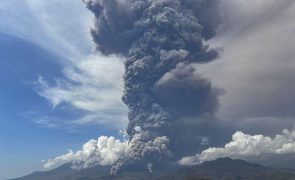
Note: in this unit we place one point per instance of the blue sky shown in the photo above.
(21, 138)
(40, 43)
(56, 93)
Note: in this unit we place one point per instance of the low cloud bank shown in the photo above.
(103, 151)
(248, 147)
(108, 150)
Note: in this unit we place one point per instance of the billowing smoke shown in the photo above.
(164, 94)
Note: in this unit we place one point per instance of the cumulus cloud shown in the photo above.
(248, 147)
(103, 151)
(93, 85)
(108, 150)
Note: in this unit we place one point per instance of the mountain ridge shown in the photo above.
(219, 169)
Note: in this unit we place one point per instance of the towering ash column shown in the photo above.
(164, 94)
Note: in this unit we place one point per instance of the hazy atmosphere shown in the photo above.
(145, 84)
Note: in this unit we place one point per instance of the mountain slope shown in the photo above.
(65, 172)
(228, 169)
(220, 169)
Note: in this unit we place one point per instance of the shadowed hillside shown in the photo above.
(228, 169)
(220, 169)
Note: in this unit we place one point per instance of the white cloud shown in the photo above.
(45, 122)
(248, 147)
(103, 151)
(61, 26)
(94, 85)
(108, 150)
(90, 82)
(67, 23)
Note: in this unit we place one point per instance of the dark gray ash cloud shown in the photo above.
(256, 68)
(168, 100)
(171, 95)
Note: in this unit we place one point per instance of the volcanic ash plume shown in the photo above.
(165, 96)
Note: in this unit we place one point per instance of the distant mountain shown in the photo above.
(282, 161)
(229, 169)
(286, 164)
(220, 169)
(65, 172)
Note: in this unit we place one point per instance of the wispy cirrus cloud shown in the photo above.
(93, 85)
(90, 83)
(48, 24)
